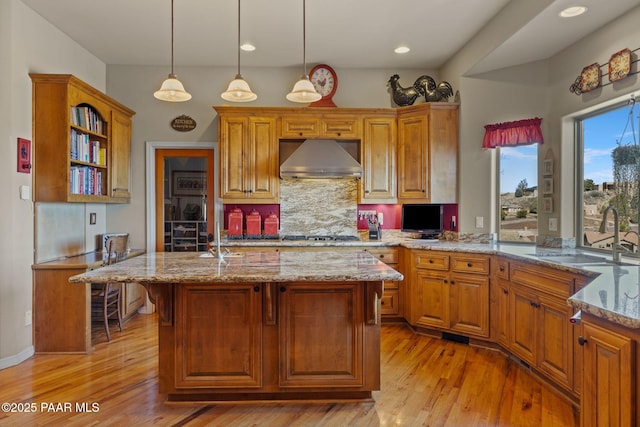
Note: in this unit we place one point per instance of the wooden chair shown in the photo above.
(105, 298)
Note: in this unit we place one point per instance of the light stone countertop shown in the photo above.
(270, 266)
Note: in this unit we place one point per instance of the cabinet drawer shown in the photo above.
(543, 279)
(295, 127)
(389, 303)
(388, 256)
(476, 264)
(432, 261)
(340, 127)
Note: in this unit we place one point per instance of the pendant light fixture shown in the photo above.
(239, 90)
(303, 91)
(172, 89)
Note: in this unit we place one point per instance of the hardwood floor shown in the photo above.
(425, 382)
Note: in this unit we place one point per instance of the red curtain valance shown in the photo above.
(520, 132)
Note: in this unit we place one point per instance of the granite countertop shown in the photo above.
(268, 266)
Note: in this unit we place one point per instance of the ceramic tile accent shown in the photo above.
(319, 206)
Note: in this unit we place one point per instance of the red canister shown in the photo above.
(234, 227)
(271, 226)
(254, 225)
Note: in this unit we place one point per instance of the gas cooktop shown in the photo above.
(335, 238)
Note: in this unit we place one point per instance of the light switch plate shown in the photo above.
(553, 224)
(25, 192)
(479, 222)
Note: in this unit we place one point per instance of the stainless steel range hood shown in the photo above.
(320, 158)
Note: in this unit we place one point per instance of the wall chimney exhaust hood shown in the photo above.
(320, 158)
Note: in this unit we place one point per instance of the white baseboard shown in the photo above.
(16, 358)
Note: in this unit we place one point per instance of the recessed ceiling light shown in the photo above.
(402, 49)
(247, 47)
(570, 12)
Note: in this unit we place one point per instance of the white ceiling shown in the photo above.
(342, 33)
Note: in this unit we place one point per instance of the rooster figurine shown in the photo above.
(431, 91)
(423, 86)
(403, 96)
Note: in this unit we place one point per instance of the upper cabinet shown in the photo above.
(82, 141)
(314, 124)
(249, 168)
(378, 159)
(428, 153)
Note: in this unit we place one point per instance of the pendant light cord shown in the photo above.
(172, 37)
(304, 36)
(238, 37)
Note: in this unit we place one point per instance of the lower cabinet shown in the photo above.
(237, 340)
(391, 303)
(609, 377)
(450, 292)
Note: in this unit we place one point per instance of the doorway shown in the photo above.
(184, 199)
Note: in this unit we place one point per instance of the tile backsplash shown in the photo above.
(318, 206)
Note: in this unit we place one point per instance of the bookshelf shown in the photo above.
(82, 142)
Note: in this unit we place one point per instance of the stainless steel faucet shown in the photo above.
(615, 253)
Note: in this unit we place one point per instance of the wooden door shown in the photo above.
(262, 170)
(321, 334)
(161, 155)
(501, 312)
(469, 300)
(379, 160)
(555, 350)
(413, 158)
(523, 324)
(608, 378)
(234, 157)
(432, 299)
(218, 336)
(120, 156)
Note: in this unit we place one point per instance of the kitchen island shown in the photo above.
(263, 325)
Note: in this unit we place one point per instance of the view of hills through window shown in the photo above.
(519, 193)
(611, 164)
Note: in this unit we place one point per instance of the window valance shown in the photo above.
(520, 132)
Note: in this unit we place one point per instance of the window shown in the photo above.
(609, 156)
(518, 183)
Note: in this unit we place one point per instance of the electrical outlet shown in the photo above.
(479, 222)
(380, 218)
(27, 317)
(553, 224)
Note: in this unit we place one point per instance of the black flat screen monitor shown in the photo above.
(426, 220)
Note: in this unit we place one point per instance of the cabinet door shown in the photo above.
(413, 158)
(379, 161)
(340, 126)
(120, 156)
(321, 336)
(608, 378)
(224, 324)
(555, 350)
(523, 324)
(432, 299)
(501, 312)
(443, 147)
(262, 174)
(233, 139)
(469, 300)
(132, 298)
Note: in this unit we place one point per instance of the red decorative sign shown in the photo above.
(24, 155)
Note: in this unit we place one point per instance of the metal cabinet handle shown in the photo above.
(469, 264)
(282, 289)
(582, 340)
(256, 288)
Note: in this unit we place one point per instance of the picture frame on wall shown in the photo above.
(189, 183)
(547, 167)
(547, 204)
(547, 186)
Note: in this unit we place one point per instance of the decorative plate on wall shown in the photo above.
(619, 65)
(590, 77)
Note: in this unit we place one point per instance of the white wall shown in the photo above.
(27, 44)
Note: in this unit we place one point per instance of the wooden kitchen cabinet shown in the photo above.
(609, 376)
(249, 169)
(82, 142)
(541, 333)
(428, 153)
(335, 125)
(392, 306)
(224, 323)
(499, 294)
(451, 292)
(379, 160)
